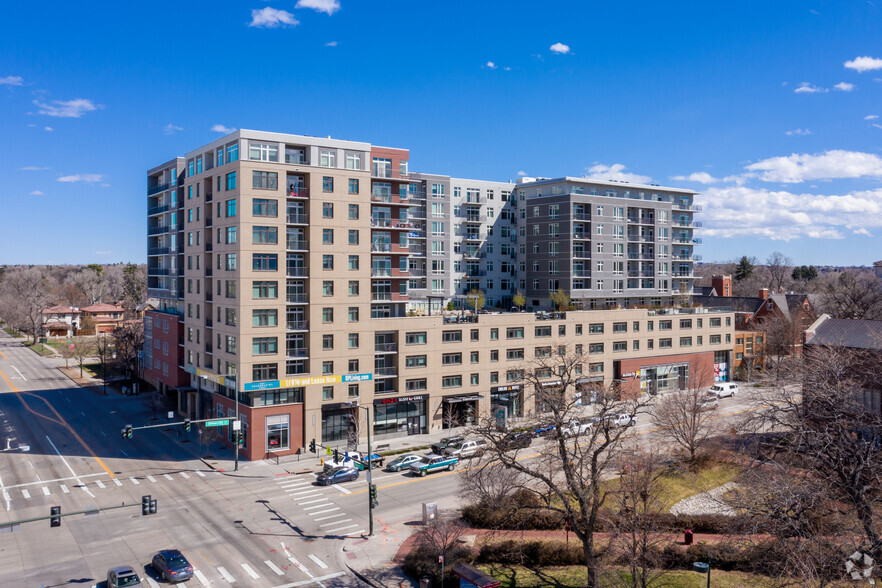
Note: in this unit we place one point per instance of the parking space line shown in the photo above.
(25, 493)
(320, 563)
(198, 473)
(333, 516)
(250, 571)
(64, 489)
(335, 523)
(45, 491)
(151, 478)
(135, 481)
(167, 477)
(201, 577)
(117, 482)
(223, 572)
(100, 484)
(184, 474)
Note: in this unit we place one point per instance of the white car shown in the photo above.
(622, 420)
(724, 389)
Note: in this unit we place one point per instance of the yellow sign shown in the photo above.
(294, 382)
(210, 376)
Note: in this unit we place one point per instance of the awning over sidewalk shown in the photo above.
(463, 398)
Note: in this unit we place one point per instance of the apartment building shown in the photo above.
(299, 276)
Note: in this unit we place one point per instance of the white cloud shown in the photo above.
(11, 81)
(799, 132)
(877, 125)
(737, 212)
(33, 168)
(329, 7)
(222, 129)
(171, 129)
(700, 177)
(560, 48)
(844, 86)
(833, 164)
(103, 252)
(871, 117)
(36, 193)
(48, 129)
(615, 171)
(271, 18)
(331, 44)
(862, 64)
(807, 88)
(522, 173)
(862, 231)
(67, 108)
(490, 65)
(88, 178)
(506, 68)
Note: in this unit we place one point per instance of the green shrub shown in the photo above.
(535, 554)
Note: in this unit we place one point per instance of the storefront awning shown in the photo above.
(589, 380)
(466, 398)
(553, 383)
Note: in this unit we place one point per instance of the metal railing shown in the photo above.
(298, 298)
(297, 325)
(151, 190)
(157, 209)
(386, 347)
(297, 219)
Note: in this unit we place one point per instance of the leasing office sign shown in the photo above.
(312, 381)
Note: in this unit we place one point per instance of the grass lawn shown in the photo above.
(41, 349)
(566, 577)
(682, 484)
(58, 344)
(13, 332)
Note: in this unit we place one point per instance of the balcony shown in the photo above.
(417, 272)
(385, 347)
(682, 275)
(634, 220)
(392, 199)
(209, 296)
(296, 272)
(209, 247)
(209, 196)
(208, 349)
(581, 273)
(419, 214)
(157, 271)
(297, 218)
(388, 297)
(392, 224)
(636, 238)
(471, 218)
(157, 210)
(642, 255)
(151, 190)
(209, 323)
(209, 221)
(296, 352)
(297, 245)
(581, 216)
(474, 201)
(581, 254)
(297, 326)
(298, 192)
(640, 274)
(298, 298)
(385, 372)
(474, 237)
(296, 159)
(157, 230)
(582, 235)
(208, 272)
(157, 251)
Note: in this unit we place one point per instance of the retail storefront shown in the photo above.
(665, 374)
(338, 422)
(404, 415)
(587, 389)
(507, 402)
(460, 411)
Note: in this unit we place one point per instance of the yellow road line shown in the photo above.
(4, 355)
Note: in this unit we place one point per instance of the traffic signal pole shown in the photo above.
(369, 477)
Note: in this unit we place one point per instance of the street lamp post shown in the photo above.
(367, 411)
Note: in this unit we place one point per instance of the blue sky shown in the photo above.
(767, 108)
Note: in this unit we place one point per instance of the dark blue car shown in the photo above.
(172, 566)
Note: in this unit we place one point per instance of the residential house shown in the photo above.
(60, 321)
(102, 318)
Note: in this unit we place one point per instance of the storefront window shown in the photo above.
(659, 379)
(277, 433)
(337, 423)
(401, 416)
(506, 398)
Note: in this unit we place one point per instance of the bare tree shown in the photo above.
(566, 476)
(23, 296)
(134, 287)
(853, 295)
(779, 267)
(128, 341)
(684, 416)
(779, 341)
(439, 538)
(90, 283)
(84, 348)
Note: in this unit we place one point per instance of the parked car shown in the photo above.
(724, 389)
(433, 463)
(337, 475)
(575, 427)
(516, 441)
(446, 442)
(122, 577)
(467, 448)
(621, 420)
(543, 430)
(172, 566)
(403, 462)
(709, 402)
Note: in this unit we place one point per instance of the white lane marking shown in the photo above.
(294, 487)
(341, 528)
(274, 568)
(117, 482)
(151, 478)
(72, 472)
(299, 565)
(313, 501)
(6, 496)
(335, 523)
(25, 493)
(250, 571)
(341, 489)
(316, 506)
(359, 532)
(45, 491)
(152, 582)
(226, 574)
(103, 433)
(201, 577)
(305, 492)
(167, 477)
(123, 452)
(198, 473)
(312, 580)
(333, 516)
(320, 563)
(64, 489)
(184, 474)
(135, 481)
(312, 514)
(20, 374)
(100, 483)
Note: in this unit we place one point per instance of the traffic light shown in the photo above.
(240, 437)
(312, 446)
(153, 506)
(127, 432)
(336, 455)
(55, 516)
(145, 505)
(187, 425)
(372, 492)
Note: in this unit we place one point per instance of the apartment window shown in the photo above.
(327, 262)
(417, 338)
(716, 322)
(494, 377)
(542, 352)
(353, 340)
(685, 341)
(494, 355)
(514, 354)
(327, 367)
(264, 235)
(353, 236)
(353, 314)
(327, 288)
(264, 345)
(620, 327)
(451, 359)
(451, 337)
(230, 344)
(327, 342)
(595, 329)
(595, 348)
(265, 207)
(230, 288)
(416, 385)
(265, 289)
(665, 343)
(353, 212)
(473, 357)
(328, 158)
(353, 390)
(578, 329)
(264, 317)
(261, 180)
(230, 235)
(451, 382)
(231, 208)
(514, 375)
(415, 361)
(494, 334)
(232, 153)
(473, 379)
(620, 346)
(327, 315)
(665, 325)
(353, 161)
(327, 392)
(716, 339)
(231, 263)
(353, 185)
(231, 181)
(327, 210)
(265, 371)
(265, 262)
(327, 184)
(353, 262)
(685, 323)
(543, 331)
(263, 152)
(328, 236)
(353, 287)
(353, 366)
(514, 333)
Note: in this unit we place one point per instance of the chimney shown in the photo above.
(722, 285)
(764, 293)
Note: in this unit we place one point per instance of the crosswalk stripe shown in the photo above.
(341, 528)
(117, 482)
(274, 568)
(167, 477)
(312, 514)
(226, 574)
(100, 483)
(305, 492)
(313, 501)
(184, 474)
(250, 571)
(152, 582)
(333, 516)
(151, 478)
(45, 491)
(201, 577)
(359, 532)
(288, 484)
(64, 489)
(317, 506)
(25, 493)
(6, 496)
(198, 473)
(331, 524)
(320, 563)
(135, 481)
(299, 565)
(342, 489)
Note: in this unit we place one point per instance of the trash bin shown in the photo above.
(425, 582)
(687, 537)
(700, 567)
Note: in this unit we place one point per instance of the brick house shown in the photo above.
(102, 318)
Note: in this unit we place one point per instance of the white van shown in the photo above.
(724, 389)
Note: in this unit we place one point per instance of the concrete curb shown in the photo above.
(364, 578)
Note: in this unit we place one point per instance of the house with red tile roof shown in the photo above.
(102, 317)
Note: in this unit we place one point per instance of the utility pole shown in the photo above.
(369, 477)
